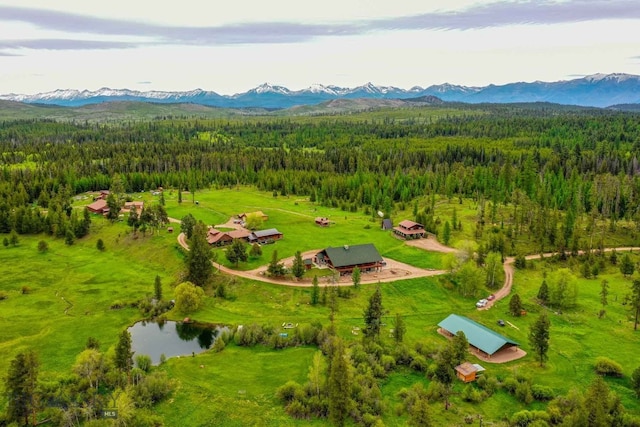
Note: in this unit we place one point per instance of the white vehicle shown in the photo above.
(482, 303)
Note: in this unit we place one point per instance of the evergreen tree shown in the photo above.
(626, 266)
(179, 195)
(43, 246)
(635, 302)
(635, 381)
(157, 288)
(543, 292)
(297, 269)
(123, 359)
(596, 403)
(515, 305)
(162, 201)
(21, 388)
(199, 256)
(339, 385)
(399, 329)
(13, 238)
(237, 252)
(315, 291)
(133, 220)
(100, 245)
(604, 293)
(373, 315)
(276, 268)
(69, 237)
(186, 225)
(459, 347)
(446, 233)
(356, 277)
(539, 337)
(444, 371)
(613, 258)
(114, 207)
(454, 219)
(256, 251)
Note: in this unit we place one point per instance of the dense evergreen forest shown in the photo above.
(553, 164)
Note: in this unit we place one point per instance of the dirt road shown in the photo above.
(394, 270)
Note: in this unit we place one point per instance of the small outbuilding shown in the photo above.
(387, 224)
(468, 372)
(265, 236)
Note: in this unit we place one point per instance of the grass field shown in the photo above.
(237, 386)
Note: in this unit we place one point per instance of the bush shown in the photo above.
(288, 391)
(542, 393)
(100, 245)
(143, 362)
(25, 290)
(419, 363)
(527, 418)
(472, 394)
(607, 367)
(523, 393)
(43, 246)
(3, 295)
(218, 345)
(488, 383)
(510, 385)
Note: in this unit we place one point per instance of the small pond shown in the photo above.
(172, 338)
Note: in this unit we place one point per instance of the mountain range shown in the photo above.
(598, 90)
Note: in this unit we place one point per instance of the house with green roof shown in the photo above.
(479, 336)
(345, 258)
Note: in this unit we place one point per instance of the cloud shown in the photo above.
(497, 14)
(63, 44)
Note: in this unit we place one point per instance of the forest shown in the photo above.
(541, 178)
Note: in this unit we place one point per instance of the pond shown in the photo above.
(172, 338)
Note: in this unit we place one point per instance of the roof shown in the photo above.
(408, 224)
(266, 233)
(215, 238)
(238, 234)
(256, 213)
(478, 335)
(344, 256)
(98, 205)
(387, 224)
(466, 368)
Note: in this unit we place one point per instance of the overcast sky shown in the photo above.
(232, 46)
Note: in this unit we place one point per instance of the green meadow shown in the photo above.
(72, 290)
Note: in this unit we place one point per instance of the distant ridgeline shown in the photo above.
(552, 163)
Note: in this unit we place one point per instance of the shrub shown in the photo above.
(43, 246)
(100, 245)
(419, 363)
(542, 393)
(523, 393)
(287, 392)
(527, 418)
(472, 394)
(607, 367)
(3, 295)
(510, 385)
(218, 345)
(143, 362)
(25, 290)
(488, 383)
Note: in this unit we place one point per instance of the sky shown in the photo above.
(234, 45)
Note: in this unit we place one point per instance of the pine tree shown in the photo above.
(297, 269)
(373, 315)
(419, 416)
(543, 292)
(604, 293)
(124, 355)
(199, 256)
(114, 207)
(539, 337)
(157, 288)
(315, 291)
(596, 403)
(635, 302)
(21, 388)
(179, 195)
(399, 329)
(186, 225)
(515, 305)
(276, 268)
(446, 233)
(635, 381)
(339, 386)
(256, 251)
(626, 266)
(356, 277)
